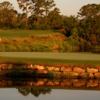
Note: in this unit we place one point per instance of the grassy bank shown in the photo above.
(42, 41)
(50, 58)
(32, 41)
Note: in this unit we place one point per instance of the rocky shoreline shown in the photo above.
(67, 83)
(56, 71)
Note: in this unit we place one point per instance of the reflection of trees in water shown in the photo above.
(36, 91)
(24, 91)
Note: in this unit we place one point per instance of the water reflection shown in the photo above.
(17, 76)
(36, 91)
(45, 86)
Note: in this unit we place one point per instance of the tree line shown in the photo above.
(43, 14)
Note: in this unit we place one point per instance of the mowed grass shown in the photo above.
(25, 33)
(50, 58)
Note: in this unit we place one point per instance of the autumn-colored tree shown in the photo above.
(38, 9)
(54, 19)
(68, 24)
(89, 20)
(8, 16)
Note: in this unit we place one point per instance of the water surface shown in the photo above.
(33, 90)
(56, 94)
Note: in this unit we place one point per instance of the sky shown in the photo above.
(71, 7)
(67, 7)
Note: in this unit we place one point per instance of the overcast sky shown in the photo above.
(71, 7)
(67, 7)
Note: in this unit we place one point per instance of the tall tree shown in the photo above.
(89, 10)
(26, 6)
(54, 19)
(39, 10)
(6, 5)
(69, 23)
(48, 5)
(89, 21)
(8, 15)
(36, 7)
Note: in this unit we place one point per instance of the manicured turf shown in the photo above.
(25, 33)
(50, 58)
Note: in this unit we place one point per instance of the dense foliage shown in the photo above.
(83, 30)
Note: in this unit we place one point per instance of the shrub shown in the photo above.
(96, 49)
(40, 48)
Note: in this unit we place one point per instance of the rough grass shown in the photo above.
(50, 58)
(31, 41)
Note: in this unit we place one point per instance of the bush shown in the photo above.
(96, 49)
(7, 47)
(40, 48)
(70, 45)
(66, 47)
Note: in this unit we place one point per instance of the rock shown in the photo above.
(92, 83)
(97, 75)
(74, 75)
(44, 71)
(50, 68)
(56, 69)
(66, 83)
(78, 83)
(92, 70)
(66, 69)
(0, 40)
(50, 83)
(78, 70)
(40, 83)
(91, 75)
(83, 75)
(38, 67)
(98, 67)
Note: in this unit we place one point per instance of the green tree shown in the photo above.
(54, 19)
(89, 16)
(8, 16)
(69, 23)
(26, 6)
(48, 5)
(36, 7)
(6, 5)
(39, 11)
(22, 21)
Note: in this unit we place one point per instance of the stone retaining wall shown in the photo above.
(68, 83)
(69, 71)
(58, 71)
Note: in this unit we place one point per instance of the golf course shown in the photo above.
(49, 49)
(50, 58)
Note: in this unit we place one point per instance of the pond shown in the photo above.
(49, 82)
(12, 94)
(30, 89)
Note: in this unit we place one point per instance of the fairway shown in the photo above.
(24, 33)
(50, 58)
